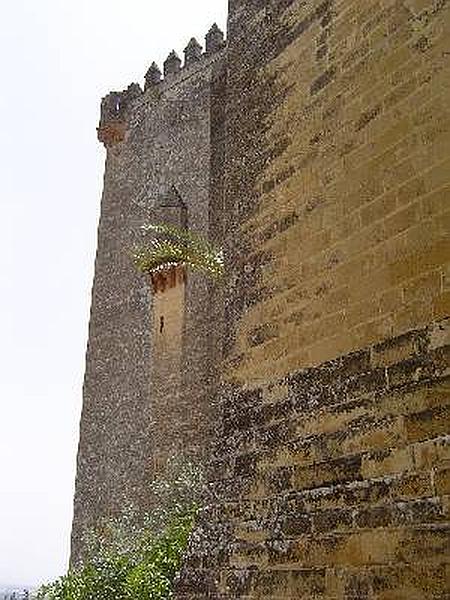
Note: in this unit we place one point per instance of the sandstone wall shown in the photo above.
(342, 118)
(331, 470)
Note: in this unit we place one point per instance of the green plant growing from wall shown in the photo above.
(173, 246)
(134, 557)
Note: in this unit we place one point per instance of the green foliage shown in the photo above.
(171, 246)
(147, 571)
(134, 557)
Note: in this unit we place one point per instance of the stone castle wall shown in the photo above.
(341, 116)
(315, 382)
(331, 469)
(158, 168)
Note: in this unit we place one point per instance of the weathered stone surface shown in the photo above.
(339, 336)
(316, 153)
(145, 397)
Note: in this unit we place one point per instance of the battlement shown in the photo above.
(115, 106)
(193, 55)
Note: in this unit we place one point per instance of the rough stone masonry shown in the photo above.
(314, 384)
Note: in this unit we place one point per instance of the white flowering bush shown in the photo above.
(173, 246)
(137, 556)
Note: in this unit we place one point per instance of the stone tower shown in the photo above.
(148, 364)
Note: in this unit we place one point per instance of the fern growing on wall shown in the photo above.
(171, 246)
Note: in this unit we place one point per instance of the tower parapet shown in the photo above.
(113, 113)
(115, 106)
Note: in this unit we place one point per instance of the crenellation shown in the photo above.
(192, 52)
(132, 92)
(153, 76)
(172, 64)
(214, 40)
(114, 104)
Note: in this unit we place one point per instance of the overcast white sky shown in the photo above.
(57, 59)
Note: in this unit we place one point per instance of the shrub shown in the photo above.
(170, 245)
(137, 556)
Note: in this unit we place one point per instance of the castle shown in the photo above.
(314, 383)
